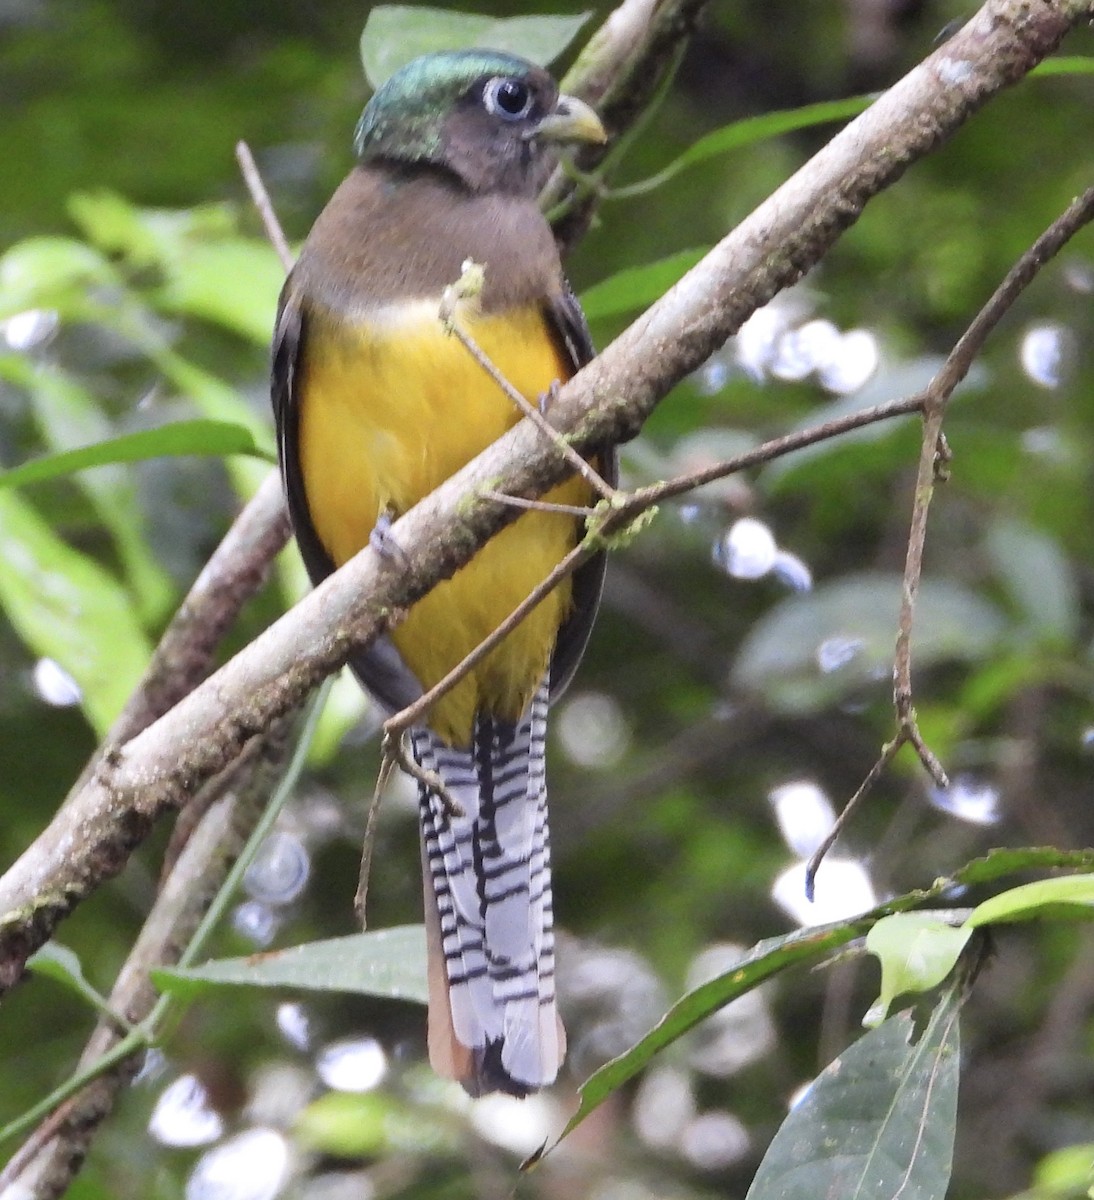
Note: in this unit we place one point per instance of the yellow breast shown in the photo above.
(389, 410)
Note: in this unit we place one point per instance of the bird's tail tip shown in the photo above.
(493, 1020)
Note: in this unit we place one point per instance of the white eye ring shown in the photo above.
(508, 98)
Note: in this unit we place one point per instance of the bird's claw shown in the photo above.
(383, 541)
(547, 398)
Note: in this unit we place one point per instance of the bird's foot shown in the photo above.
(382, 540)
(547, 398)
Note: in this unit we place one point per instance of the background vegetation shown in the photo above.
(705, 693)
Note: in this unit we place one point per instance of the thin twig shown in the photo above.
(469, 284)
(933, 463)
(773, 449)
(1077, 214)
(528, 505)
(625, 508)
(888, 753)
(395, 751)
(413, 713)
(360, 897)
(938, 394)
(927, 757)
(913, 565)
(261, 200)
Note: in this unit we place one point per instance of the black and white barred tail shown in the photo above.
(493, 1024)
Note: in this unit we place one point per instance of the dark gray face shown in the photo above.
(474, 113)
(489, 137)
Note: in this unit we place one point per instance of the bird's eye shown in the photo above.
(510, 99)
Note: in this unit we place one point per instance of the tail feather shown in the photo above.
(493, 1021)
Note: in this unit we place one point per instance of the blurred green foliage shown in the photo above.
(126, 228)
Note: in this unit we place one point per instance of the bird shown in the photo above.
(376, 404)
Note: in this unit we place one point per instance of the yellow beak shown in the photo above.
(572, 121)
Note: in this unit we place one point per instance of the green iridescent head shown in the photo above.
(487, 116)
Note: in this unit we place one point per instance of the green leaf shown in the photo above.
(636, 287)
(367, 1124)
(916, 950)
(763, 960)
(115, 225)
(1067, 1172)
(812, 649)
(744, 133)
(233, 282)
(1007, 861)
(877, 1122)
(49, 272)
(124, 314)
(1065, 65)
(1067, 896)
(993, 686)
(178, 438)
(66, 607)
(67, 416)
(776, 954)
(208, 270)
(147, 236)
(1038, 578)
(389, 963)
(216, 401)
(59, 963)
(396, 33)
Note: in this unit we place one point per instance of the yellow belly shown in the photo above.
(389, 411)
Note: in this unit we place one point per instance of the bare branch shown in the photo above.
(184, 656)
(360, 898)
(624, 67)
(527, 505)
(888, 753)
(49, 1159)
(934, 401)
(261, 200)
(1079, 212)
(773, 448)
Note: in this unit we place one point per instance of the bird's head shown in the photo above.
(492, 119)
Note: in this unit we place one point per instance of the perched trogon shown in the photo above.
(376, 405)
